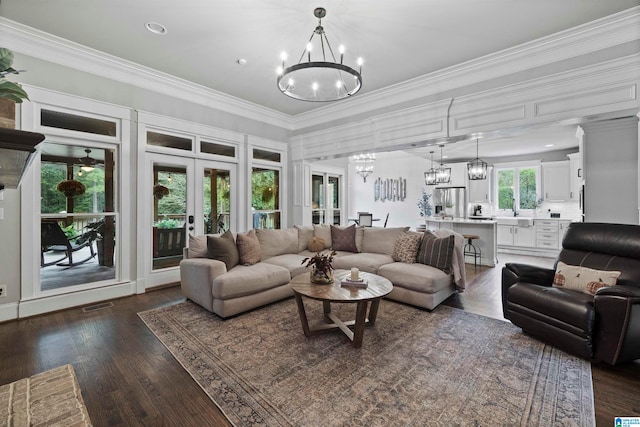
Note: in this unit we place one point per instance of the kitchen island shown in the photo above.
(485, 229)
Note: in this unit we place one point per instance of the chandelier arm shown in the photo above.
(305, 48)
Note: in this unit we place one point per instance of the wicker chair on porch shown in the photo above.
(52, 238)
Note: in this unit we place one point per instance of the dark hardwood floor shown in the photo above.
(127, 376)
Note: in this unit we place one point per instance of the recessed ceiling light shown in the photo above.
(549, 145)
(242, 61)
(156, 28)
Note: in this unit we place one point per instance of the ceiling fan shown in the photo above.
(88, 163)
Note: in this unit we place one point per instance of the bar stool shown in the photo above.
(472, 250)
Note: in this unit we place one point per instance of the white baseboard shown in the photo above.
(8, 311)
(60, 302)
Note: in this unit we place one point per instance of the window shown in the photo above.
(265, 197)
(517, 188)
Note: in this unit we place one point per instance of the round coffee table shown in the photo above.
(377, 288)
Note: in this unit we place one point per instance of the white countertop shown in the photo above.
(464, 221)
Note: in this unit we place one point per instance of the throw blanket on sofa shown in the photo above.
(457, 262)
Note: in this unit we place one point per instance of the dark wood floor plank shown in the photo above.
(128, 377)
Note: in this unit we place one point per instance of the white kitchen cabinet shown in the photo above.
(513, 235)
(556, 181)
(546, 233)
(479, 191)
(562, 228)
(576, 180)
(458, 175)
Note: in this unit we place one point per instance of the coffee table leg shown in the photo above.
(326, 308)
(303, 316)
(361, 318)
(373, 311)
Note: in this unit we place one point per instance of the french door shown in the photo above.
(182, 196)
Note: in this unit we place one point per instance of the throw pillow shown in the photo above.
(324, 232)
(436, 252)
(223, 249)
(583, 279)
(248, 248)
(277, 242)
(406, 248)
(344, 238)
(305, 233)
(316, 244)
(198, 246)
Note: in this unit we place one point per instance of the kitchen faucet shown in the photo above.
(513, 207)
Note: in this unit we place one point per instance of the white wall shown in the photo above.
(389, 166)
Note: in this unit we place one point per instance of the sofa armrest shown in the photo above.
(617, 335)
(524, 273)
(196, 279)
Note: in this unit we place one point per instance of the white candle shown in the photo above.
(354, 273)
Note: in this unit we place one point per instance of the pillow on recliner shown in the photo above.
(583, 279)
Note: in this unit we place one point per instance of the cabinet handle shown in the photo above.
(571, 194)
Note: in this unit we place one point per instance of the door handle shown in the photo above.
(191, 228)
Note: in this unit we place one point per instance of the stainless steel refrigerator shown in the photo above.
(453, 200)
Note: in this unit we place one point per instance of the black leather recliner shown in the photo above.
(603, 327)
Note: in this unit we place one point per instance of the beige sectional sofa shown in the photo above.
(208, 283)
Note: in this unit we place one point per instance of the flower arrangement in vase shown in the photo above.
(423, 204)
(71, 188)
(321, 267)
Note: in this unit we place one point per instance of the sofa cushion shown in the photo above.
(198, 245)
(359, 237)
(248, 248)
(223, 249)
(343, 238)
(277, 242)
(417, 277)
(305, 233)
(406, 247)
(323, 231)
(436, 252)
(249, 279)
(369, 262)
(583, 279)
(292, 262)
(381, 240)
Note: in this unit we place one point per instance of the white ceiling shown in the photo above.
(399, 40)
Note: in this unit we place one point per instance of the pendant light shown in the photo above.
(430, 176)
(443, 173)
(477, 169)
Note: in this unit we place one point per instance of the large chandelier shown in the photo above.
(430, 176)
(319, 80)
(443, 173)
(477, 169)
(364, 164)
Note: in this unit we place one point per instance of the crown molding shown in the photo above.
(607, 32)
(39, 44)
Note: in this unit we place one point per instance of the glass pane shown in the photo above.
(527, 188)
(219, 149)
(505, 189)
(317, 192)
(217, 206)
(76, 250)
(69, 183)
(169, 212)
(269, 220)
(334, 191)
(265, 189)
(57, 119)
(266, 155)
(169, 141)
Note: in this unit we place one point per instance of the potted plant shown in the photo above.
(10, 92)
(159, 191)
(96, 231)
(321, 267)
(423, 204)
(71, 188)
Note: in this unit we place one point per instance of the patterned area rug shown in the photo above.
(416, 368)
(51, 398)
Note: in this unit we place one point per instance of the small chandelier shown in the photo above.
(430, 176)
(88, 164)
(364, 164)
(443, 173)
(477, 169)
(323, 80)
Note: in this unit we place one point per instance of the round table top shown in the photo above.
(377, 287)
